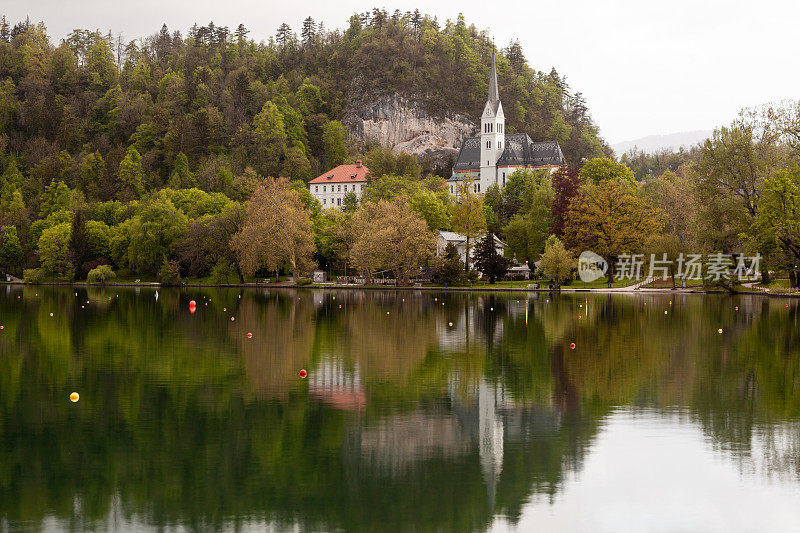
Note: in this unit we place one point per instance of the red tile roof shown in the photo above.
(344, 173)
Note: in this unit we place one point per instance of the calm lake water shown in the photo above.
(421, 411)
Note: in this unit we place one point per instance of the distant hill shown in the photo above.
(656, 143)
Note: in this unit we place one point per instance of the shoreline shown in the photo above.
(619, 290)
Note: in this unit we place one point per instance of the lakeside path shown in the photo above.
(632, 289)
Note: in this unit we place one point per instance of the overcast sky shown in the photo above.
(645, 67)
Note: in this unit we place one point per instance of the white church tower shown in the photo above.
(493, 125)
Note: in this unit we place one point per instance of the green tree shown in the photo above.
(333, 140)
(181, 177)
(610, 219)
(557, 263)
(53, 248)
(601, 169)
(131, 175)
(448, 269)
(488, 261)
(11, 255)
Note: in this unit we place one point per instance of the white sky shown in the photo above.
(645, 67)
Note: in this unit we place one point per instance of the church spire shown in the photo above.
(494, 94)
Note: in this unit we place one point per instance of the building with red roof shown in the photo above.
(330, 187)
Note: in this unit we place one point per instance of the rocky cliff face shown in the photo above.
(404, 126)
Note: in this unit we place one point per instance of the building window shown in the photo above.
(323, 188)
(340, 188)
(324, 201)
(499, 145)
(479, 187)
(316, 188)
(338, 201)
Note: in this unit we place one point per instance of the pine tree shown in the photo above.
(488, 261)
(283, 35)
(308, 32)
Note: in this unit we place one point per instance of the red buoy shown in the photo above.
(1, 327)
(303, 373)
(192, 303)
(249, 335)
(572, 345)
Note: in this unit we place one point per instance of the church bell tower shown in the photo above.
(493, 125)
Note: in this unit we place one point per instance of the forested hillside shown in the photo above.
(227, 100)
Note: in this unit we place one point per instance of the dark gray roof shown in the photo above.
(519, 150)
(469, 157)
(494, 93)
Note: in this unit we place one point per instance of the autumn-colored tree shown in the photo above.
(468, 218)
(566, 185)
(610, 219)
(276, 230)
(391, 236)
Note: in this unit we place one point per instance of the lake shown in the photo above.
(428, 411)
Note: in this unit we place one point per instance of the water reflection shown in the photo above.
(421, 410)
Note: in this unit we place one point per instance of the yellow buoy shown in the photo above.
(74, 397)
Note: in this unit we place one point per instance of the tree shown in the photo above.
(778, 220)
(610, 220)
(308, 32)
(488, 261)
(79, 245)
(468, 219)
(283, 35)
(53, 247)
(664, 246)
(11, 255)
(566, 185)
(131, 175)
(350, 202)
(181, 177)
(448, 269)
(557, 263)
(333, 140)
(152, 233)
(269, 137)
(277, 229)
(601, 169)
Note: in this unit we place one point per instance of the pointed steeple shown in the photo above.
(494, 94)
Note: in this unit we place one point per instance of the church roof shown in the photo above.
(469, 157)
(494, 93)
(519, 150)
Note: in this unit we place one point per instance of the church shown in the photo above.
(491, 158)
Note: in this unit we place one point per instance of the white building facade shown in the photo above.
(331, 187)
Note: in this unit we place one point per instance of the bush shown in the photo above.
(170, 273)
(101, 274)
(472, 275)
(224, 273)
(33, 276)
(303, 281)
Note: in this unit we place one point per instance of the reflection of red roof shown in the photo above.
(344, 173)
(350, 401)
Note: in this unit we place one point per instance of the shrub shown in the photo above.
(33, 276)
(170, 273)
(101, 274)
(224, 273)
(303, 281)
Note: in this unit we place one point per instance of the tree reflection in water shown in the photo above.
(404, 422)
